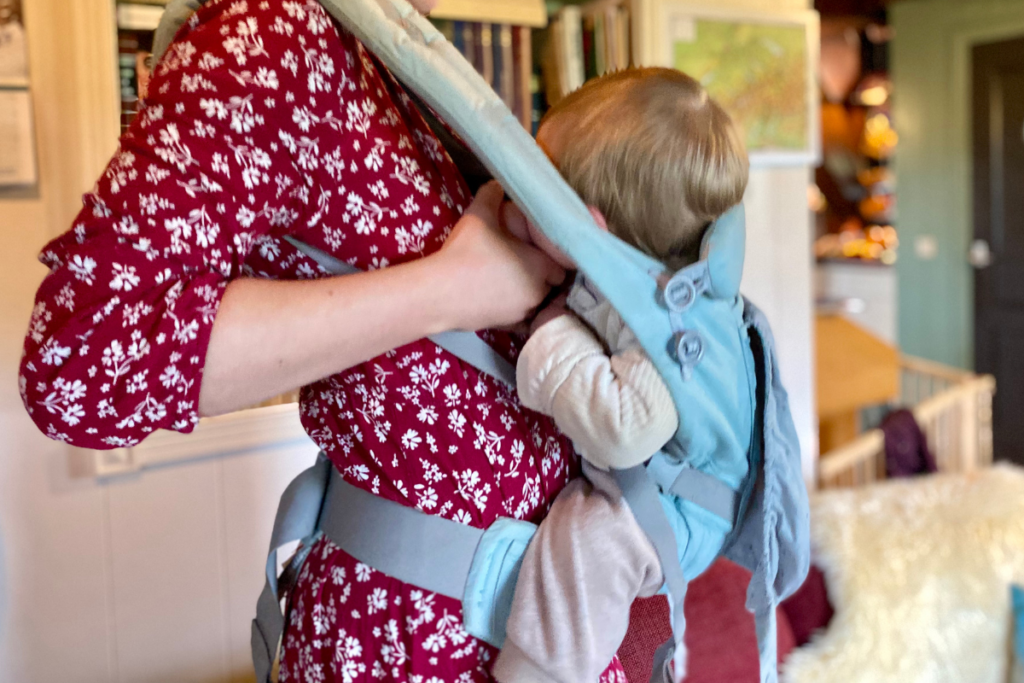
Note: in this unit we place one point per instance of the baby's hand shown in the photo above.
(556, 309)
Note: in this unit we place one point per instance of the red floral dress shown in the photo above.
(264, 120)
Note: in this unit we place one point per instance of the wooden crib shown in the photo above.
(954, 409)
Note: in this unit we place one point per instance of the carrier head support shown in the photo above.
(720, 269)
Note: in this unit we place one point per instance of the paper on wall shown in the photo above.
(17, 139)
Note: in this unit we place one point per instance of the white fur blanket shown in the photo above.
(919, 572)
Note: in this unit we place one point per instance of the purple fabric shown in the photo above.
(906, 446)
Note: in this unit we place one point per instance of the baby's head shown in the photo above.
(653, 153)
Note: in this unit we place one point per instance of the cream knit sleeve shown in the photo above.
(616, 409)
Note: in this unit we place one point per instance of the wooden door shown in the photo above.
(997, 252)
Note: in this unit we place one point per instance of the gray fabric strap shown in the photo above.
(464, 345)
(174, 17)
(661, 664)
(432, 553)
(296, 520)
(707, 492)
(643, 497)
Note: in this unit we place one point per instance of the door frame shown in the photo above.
(981, 207)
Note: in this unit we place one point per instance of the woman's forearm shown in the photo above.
(271, 337)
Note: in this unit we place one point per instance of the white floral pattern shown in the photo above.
(266, 120)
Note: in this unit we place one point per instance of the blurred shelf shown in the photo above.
(139, 17)
(516, 12)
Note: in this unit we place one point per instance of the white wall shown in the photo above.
(779, 278)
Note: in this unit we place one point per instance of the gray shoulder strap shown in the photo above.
(464, 345)
(644, 499)
(297, 520)
(174, 17)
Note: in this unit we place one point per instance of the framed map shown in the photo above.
(761, 67)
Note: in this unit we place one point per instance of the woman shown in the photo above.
(175, 296)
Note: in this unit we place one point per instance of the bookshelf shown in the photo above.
(529, 13)
(532, 52)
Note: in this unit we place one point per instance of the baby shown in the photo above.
(657, 161)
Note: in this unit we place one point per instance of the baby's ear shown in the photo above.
(598, 218)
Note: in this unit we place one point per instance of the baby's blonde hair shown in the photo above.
(657, 156)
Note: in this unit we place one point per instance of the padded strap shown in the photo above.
(644, 499)
(296, 520)
(464, 345)
(707, 492)
(174, 17)
(432, 553)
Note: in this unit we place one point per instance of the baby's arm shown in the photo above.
(616, 409)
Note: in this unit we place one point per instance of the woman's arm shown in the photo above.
(270, 337)
(221, 163)
(616, 409)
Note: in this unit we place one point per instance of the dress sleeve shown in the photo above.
(616, 408)
(213, 168)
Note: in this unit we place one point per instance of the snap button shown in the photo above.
(680, 293)
(689, 348)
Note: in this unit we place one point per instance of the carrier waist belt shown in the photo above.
(475, 566)
(432, 553)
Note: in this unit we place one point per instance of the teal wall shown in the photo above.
(931, 64)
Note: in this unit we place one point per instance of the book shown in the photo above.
(469, 50)
(131, 17)
(445, 28)
(459, 37)
(552, 69)
(134, 52)
(624, 43)
(522, 60)
(572, 48)
(539, 104)
(589, 47)
(485, 51)
(506, 76)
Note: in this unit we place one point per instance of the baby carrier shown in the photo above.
(735, 454)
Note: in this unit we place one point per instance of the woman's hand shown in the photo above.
(494, 278)
(519, 225)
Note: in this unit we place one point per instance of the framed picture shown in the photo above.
(762, 67)
(17, 151)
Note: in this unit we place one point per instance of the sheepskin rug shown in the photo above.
(919, 573)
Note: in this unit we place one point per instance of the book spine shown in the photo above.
(498, 60)
(589, 47)
(573, 22)
(538, 104)
(128, 48)
(626, 28)
(600, 44)
(551, 62)
(446, 28)
(459, 36)
(519, 93)
(469, 45)
(486, 49)
(508, 72)
(625, 52)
